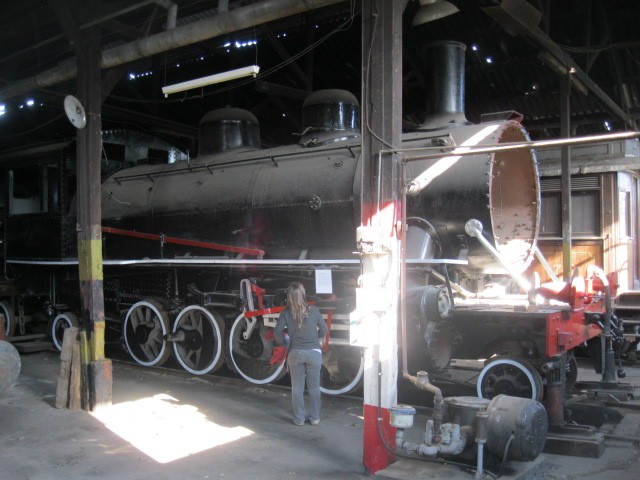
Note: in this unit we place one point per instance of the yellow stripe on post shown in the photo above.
(97, 341)
(90, 259)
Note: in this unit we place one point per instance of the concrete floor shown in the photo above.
(168, 425)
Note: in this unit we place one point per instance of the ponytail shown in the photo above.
(297, 302)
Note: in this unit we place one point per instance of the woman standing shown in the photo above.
(307, 329)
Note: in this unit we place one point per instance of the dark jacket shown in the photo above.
(308, 337)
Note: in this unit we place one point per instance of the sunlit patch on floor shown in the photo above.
(166, 430)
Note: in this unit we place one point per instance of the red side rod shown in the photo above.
(183, 241)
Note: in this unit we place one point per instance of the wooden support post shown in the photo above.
(377, 293)
(89, 152)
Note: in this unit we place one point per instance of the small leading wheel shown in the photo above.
(199, 343)
(250, 350)
(342, 369)
(9, 320)
(59, 324)
(509, 376)
(145, 327)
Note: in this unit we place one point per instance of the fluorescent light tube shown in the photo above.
(211, 79)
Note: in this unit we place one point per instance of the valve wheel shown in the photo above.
(509, 376)
(59, 324)
(145, 328)
(201, 349)
(251, 357)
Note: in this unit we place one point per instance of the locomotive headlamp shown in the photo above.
(249, 71)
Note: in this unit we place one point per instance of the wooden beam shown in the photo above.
(508, 14)
(280, 50)
(67, 22)
(282, 90)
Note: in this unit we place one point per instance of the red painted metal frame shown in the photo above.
(183, 241)
(263, 311)
(267, 311)
(566, 330)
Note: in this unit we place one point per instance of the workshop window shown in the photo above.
(625, 206)
(585, 207)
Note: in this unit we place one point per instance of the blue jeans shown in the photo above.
(305, 364)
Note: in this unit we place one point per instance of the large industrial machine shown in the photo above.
(198, 252)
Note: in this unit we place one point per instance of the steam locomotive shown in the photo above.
(198, 252)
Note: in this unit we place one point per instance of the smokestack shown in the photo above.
(445, 85)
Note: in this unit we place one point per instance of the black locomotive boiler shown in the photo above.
(198, 253)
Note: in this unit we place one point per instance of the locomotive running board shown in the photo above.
(231, 262)
(194, 262)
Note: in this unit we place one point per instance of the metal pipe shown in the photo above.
(608, 357)
(454, 286)
(198, 31)
(545, 264)
(565, 179)
(172, 13)
(482, 418)
(403, 270)
(223, 6)
(474, 229)
(422, 382)
(509, 146)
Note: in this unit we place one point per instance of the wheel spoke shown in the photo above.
(251, 357)
(135, 319)
(147, 350)
(342, 370)
(509, 376)
(155, 346)
(146, 324)
(197, 322)
(198, 354)
(200, 350)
